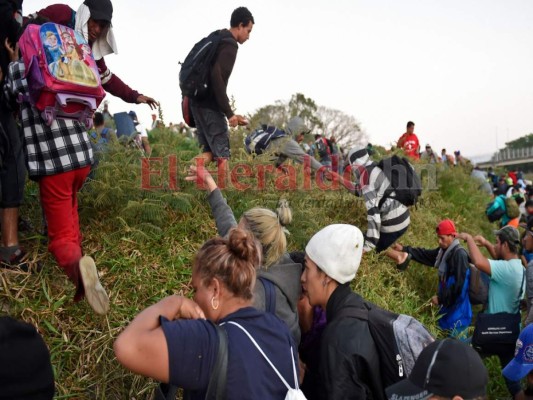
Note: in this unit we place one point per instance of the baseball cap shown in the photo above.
(337, 250)
(509, 234)
(101, 10)
(444, 368)
(522, 363)
(446, 227)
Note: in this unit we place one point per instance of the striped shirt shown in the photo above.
(391, 217)
(63, 146)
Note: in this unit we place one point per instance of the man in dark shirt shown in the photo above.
(210, 113)
(452, 263)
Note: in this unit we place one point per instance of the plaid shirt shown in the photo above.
(50, 150)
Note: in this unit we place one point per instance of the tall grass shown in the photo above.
(143, 242)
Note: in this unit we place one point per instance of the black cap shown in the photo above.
(101, 10)
(25, 371)
(445, 368)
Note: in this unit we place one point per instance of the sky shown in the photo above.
(462, 70)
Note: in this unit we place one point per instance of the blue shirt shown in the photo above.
(506, 278)
(193, 347)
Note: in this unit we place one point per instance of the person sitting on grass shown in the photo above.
(452, 263)
(269, 228)
(176, 341)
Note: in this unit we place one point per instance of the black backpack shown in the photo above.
(257, 141)
(399, 339)
(405, 182)
(194, 73)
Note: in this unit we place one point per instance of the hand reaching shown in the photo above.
(148, 100)
(202, 177)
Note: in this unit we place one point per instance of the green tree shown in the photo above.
(520, 143)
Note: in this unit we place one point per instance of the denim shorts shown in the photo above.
(212, 130)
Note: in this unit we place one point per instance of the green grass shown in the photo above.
(144, 241)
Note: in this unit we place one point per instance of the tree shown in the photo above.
(521, 143)
(281, 111)
(345, 128)
(323, 120)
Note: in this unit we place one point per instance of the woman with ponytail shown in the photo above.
(175, 341)
(268, 227)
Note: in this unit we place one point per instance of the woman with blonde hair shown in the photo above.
(176, 341)
(268, 227)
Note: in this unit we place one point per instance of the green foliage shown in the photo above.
(521, 143)
(144, 242)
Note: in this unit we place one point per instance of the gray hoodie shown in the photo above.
(285, 274)
(287, 147)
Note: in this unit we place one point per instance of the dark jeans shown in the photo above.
(387, 239)
(13, 173)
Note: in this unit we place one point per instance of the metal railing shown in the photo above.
(513, 154)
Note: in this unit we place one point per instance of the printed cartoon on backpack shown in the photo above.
(62, 75)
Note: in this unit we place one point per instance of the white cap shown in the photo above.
(337, 250)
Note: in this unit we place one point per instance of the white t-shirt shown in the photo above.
(141, 129)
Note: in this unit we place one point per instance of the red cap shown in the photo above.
(446, 227)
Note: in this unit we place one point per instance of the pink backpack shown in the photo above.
(62, 76)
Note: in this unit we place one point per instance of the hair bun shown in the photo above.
(284, 212)
(243, 245)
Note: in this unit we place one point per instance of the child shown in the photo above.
(59, 157)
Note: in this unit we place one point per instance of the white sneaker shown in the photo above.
(94, 291)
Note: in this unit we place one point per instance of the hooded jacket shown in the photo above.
(287, 147)
(392, 216)
(349, 360)
(285, 274)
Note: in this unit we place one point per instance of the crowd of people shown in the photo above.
(264, 323)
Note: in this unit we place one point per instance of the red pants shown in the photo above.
(60, 204)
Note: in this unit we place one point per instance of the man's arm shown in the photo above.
(114, 85)
(292, 150)
(478, 259)
(481, 241)
(222, 68)
(423, 256)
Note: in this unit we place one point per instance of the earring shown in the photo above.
(324, 283)
(213, 303)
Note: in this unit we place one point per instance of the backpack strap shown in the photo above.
(216, 388)
(217, 383)
(353, 312)
(270, 294)
(268, 360)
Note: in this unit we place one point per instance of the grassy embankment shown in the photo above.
(144, 241)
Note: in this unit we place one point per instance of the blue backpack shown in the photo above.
(257, 141)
